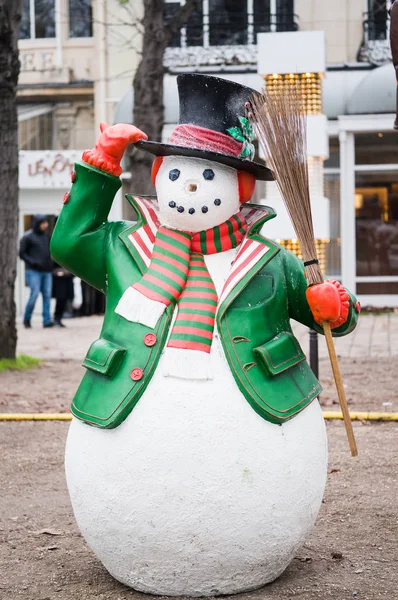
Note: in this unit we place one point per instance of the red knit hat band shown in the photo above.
(192, 136)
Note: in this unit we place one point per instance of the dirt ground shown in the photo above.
(352, 553)
(51, 387)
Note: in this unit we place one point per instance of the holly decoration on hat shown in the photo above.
(244, 134)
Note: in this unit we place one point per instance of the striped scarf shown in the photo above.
(177, 275)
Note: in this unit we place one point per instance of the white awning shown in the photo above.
(376, 93)
(29, 111)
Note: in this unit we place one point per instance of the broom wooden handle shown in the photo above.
(340, 388)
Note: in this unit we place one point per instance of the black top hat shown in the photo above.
(212, 125)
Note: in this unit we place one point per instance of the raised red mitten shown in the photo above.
(329, 301)
(111, 145)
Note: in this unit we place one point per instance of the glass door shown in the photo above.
(376, 227)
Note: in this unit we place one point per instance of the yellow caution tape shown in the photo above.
(328, 415)
(362, 416)
(35, 417)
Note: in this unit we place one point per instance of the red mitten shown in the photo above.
(111, 145)
(329, 301)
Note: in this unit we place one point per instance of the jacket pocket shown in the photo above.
(280, 353)
(104, 357)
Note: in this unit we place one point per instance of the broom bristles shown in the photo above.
(282, 132)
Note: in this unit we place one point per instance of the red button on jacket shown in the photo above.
(66, 198)
(137, 374)
(150, 339)
(73, 176)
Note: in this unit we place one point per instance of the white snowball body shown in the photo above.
(194, 493)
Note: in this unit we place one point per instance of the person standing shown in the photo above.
(62, 292)
(35, 252)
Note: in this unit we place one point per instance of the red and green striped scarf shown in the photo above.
(177, 275)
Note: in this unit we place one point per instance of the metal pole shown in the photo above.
(314, 356)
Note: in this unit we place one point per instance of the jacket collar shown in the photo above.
(139, 238)
(254, 253)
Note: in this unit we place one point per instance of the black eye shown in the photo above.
(174, 174)
(208, 174)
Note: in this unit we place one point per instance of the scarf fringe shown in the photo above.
(137, 308)
(186, 364)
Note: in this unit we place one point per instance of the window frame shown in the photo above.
(32, 22)
(86, 37)
(371, 21)
(274, 16)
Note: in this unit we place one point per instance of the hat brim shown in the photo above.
(259, 171)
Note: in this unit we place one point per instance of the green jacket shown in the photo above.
(253, 318)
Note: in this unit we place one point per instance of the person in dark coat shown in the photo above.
(35, 252)
(62, 292)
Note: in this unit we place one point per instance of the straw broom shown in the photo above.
(282, 131)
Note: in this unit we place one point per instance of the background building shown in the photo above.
(78, 58)
(361, 173)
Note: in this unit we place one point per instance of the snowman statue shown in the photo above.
(197, 458)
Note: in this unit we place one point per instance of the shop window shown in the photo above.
(376, 216)
(378, 287)
(38, 19)
(80, 19)
(376, 148)
(333, 162)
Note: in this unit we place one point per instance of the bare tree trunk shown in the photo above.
(10, 16)
(148, 93)
(148, 113)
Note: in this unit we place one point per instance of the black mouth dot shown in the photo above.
(172, 204)
(180, 209)
(217, 201)
(191, 211)
(204, 209)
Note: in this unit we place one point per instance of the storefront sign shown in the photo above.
(46, 169)
(38, 61)
(40, 66)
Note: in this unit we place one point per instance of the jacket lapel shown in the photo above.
(140, 237)
(255, 252)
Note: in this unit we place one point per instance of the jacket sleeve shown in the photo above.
(299, 309)
(80, 235)
(24, 252)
